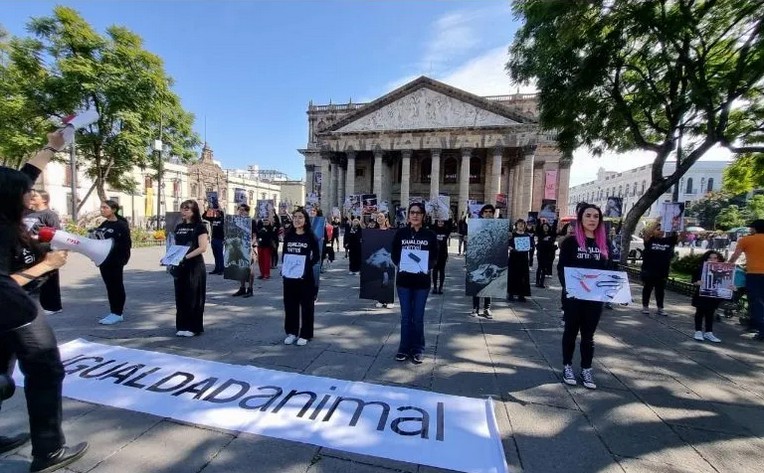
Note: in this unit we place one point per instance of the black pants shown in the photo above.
(329, 253)
(540, 275)
(190, 295)
(476, 302)
(299, 295)
(439, 272)
(705, 313)
(355, 258)
(50, 292)
(39, 360)
(113, 277)
(580, 316)
(462, 247)
(660, 288)
(275, 257)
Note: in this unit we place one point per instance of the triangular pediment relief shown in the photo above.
(423, 109)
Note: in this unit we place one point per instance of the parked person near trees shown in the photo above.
(656, 262)
(41, 215)
(413, 287)
(23, 334)
(753, 248)
(216, 218)
(115, 228)
(191, 276)
(588, 249)
(705, 307)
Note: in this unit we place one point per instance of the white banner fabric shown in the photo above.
(420, 427)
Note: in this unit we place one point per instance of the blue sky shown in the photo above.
(251, 67)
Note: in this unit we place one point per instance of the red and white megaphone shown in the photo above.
(96, 250)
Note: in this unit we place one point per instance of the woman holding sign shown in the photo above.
(519, 279)
(191, 277)
(656, 262)
(586, 248)
(299, 254)
(705, 307)
(415, 251)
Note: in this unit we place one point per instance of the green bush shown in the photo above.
(687, 264)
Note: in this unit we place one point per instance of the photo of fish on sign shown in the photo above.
(597, 285)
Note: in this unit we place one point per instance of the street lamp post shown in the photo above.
(73, 166)
(158, 147)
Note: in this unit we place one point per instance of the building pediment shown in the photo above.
(426, 104)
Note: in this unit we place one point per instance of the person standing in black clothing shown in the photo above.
(265, 235)
(487, 211)
(656, 262)
(23, 334)
(546, 249)
(530, 230)
(518, 269)
(705, 307)
(216, 218)
(42, 216)
(191, 276)
(442, 232)
(243, 211)
(299, 255)
(587, 248)
(115, 227)
(353, 245)
(462, 229)
(336, 232)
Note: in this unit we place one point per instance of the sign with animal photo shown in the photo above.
(522, 243)
(377, 267)
(717, 280)
(265, 208)
(237, 248)
(597, 285)
(171, 220)
(486, 257)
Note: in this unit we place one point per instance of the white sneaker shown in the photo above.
(662, 312)
(302, 342)
(290, 339)
(487, 313)
(184, 333)
(568, 377)
(390, 306)
(474, 313)
(711, 337)
(588, 379)
(698, 336)
(379, 305)
(111, 319)
(351, 273)
(52, 312)
(645, 310)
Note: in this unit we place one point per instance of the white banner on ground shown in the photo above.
(420, 427)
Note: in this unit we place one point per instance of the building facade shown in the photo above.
(426, 139)
(179, 182)
(702, 178)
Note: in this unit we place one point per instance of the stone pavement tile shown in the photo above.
(325, 464)
(749, 416)
(741, 454)
(553, 440)
(641, 465)
(12, 463)
(517, 344)
(385, 370)
(478, 384)
(631, 429)
(507, 436)
(359, 339)
(167, 447)
(286, 357)
(363, 460)
(249, 452)
(347, 366)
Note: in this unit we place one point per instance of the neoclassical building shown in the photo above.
(427, 138)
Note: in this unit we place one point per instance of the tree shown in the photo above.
(672, 77)
(75, 67)
(730, 217)
(754, 208)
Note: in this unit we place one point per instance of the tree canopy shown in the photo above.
(66, 65)
(673, 77)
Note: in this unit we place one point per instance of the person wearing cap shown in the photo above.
(753, 248)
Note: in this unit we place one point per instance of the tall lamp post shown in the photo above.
(73, 167)
(158, 147)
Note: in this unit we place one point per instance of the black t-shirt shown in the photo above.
(656, 258)
(187, 234)
(442, 233)
(119, 231)
(305, 245)
(423, 240)
(14, 256)
(217, 225)
(34, 220)
(573, 256)
(265, 235)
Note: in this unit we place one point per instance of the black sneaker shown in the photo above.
(401, 357)
(522, 299)
(240, 292)
(59, 459)
(417, 359)
(249, 293)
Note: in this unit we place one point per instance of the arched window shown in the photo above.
(689, 186)
(710, 187)
(425, 170)
(476, 165)
(449, 171)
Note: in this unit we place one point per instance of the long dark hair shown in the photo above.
(306, 228)
(196, 215)
(13, 186)
(114, 206)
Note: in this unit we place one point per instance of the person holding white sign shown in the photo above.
(300, 254)
(415, 251)
(587, 248)
(518, 272)
(705, 307)
(191, 277)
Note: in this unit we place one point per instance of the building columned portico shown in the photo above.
(428, 138)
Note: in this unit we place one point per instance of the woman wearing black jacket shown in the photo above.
(656, 262)
(115, 228)
(518, 274)
(545, 254)
(23, 334)
(300, 254)
(442, 230)
(586, 248)
(191, 277)
(352, 243)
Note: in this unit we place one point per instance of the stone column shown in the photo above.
(526, 184)
(334, 183)
(350, 175)
(325, 178)
(309, 178)
(464, 180)
(563, 183)
(340, 187)
(435, 174)
(539, 168)
(377, 184)
(495, 184)
(510, 191)
(405, 176)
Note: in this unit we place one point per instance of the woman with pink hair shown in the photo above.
(586, 248)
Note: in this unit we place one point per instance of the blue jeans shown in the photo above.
(754, 287)
(412, 319)
(217, 252)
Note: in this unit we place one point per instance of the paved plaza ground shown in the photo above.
(666, 403)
